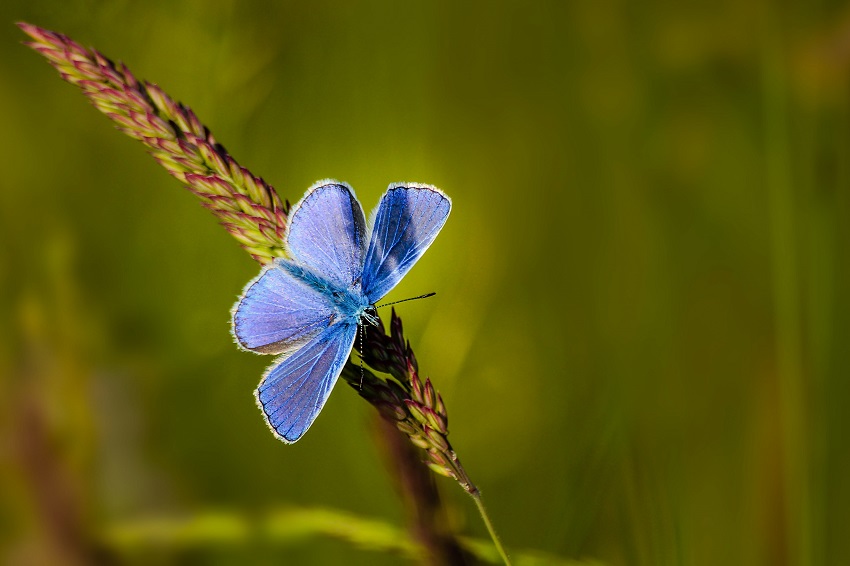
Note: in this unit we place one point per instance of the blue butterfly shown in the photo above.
(307, 309)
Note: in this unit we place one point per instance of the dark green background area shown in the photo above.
(641, 324)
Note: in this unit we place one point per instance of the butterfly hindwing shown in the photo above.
(279, 312)
(327, 232)
(293, 392)
(407, 220)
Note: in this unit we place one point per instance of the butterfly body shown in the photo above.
(307, 308)
(349, 304)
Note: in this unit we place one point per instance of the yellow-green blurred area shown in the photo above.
(641, 325)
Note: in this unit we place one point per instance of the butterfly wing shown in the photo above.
(327, 233)
(407, 220)
(293, 392)
(278, 312)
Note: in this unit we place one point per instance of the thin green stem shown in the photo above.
(490, 529)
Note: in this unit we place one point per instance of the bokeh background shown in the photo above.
(641, 320)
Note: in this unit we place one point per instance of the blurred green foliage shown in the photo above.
(639, 330)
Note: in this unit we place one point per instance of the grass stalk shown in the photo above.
(490, 528)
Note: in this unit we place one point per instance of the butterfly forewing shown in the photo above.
(294, 391)
(406, 222)
(279, 312)
(327, 233)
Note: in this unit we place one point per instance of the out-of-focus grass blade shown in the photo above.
(295, 525)
(212, 527)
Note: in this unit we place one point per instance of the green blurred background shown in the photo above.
(639, 327)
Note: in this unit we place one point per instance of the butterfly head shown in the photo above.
(369, 314)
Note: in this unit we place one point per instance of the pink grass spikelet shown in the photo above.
(413, 407)
(176, 138)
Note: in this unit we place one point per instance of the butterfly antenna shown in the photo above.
(425, 296)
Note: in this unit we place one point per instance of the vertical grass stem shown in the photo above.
(788, 338)
(490, 529)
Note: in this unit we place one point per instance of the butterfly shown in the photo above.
(307, 308)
